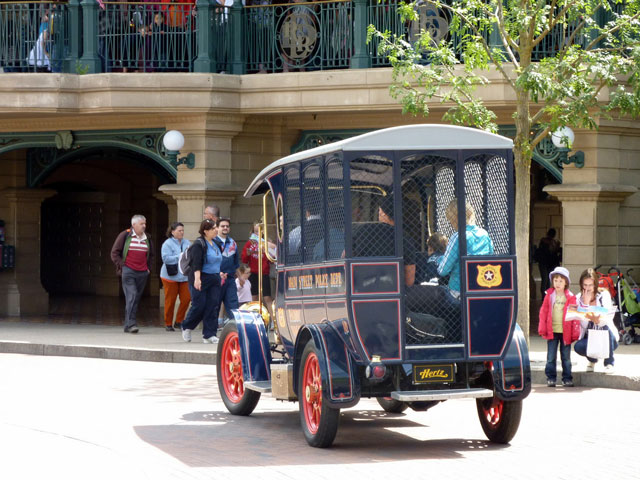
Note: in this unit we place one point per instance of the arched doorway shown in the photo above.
(97, 192)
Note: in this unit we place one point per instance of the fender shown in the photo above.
(254, 346)
(512, 375)
(340, 380)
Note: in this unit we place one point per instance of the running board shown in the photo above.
(262, 387)
(426, 395)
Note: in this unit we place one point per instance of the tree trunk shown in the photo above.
(523, 201)
(522, 159)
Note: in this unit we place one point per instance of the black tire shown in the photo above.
(499, 419)
(319, 422)
(423, 406)
(237, 399)
(392, 405)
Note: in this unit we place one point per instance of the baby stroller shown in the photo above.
(624, 298)
(630, 309)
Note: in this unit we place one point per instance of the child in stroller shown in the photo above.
(626, 299)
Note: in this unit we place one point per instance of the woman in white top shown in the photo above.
(39, 55)
(590, 296)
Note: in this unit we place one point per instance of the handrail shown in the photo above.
(264, 220)
(50, 2)
(151, 3)
(296, 4)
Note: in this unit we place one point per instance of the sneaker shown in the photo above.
(186, 335)
(133, 329)
(551, 383)
(178, 326)
(169, 328)
(567, 383)
(609, 369)
(213, 340)
(591, 366)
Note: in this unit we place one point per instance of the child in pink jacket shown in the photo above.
(552, 326)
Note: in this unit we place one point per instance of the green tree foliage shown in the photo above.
(566, 62)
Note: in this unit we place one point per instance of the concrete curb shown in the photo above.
(110, 353)
(538, 377)
(591, 379)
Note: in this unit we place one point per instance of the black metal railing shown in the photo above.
(91, 36)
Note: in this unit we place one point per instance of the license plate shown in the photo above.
(433, 373)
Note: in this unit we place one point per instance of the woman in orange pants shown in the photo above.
(173, 282)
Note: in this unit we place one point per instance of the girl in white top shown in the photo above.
(590, 296)
(243, 284)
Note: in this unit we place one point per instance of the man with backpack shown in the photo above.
(132, 254)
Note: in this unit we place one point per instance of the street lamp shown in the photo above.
(563, 140)
(173, 141)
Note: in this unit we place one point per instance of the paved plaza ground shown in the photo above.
(78, 418)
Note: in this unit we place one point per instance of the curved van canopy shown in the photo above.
(406, 137)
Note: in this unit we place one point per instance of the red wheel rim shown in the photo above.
(231, 368)
(493, 411)
(312, 393)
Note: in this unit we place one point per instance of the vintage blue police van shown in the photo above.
(396, 280)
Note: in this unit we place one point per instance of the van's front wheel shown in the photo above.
(237, 399)
(499, 419)
(319, 422)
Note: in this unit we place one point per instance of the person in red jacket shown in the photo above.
(553, 327)
(250, 257)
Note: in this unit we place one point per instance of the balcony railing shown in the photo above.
(87, 36)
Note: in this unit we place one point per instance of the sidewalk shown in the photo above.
(154, 344)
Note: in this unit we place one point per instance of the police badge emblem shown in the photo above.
(489, 276)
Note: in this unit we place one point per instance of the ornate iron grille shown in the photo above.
(33, 36)
(293, 234)
(149, 37)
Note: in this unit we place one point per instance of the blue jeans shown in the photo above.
(204, 303)
(581, 347)
(228, 296)
(565, 357)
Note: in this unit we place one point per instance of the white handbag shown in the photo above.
(598, 344)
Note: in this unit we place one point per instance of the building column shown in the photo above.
(191, 202)
(21, 291)
(211, 181)
(590, 223)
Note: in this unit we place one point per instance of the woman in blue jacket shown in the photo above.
(205, 281)
(174, 283)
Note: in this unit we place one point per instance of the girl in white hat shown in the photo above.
(554, 329)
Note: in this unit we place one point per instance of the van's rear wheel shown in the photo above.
(391, 405)
(319, 422)
(237, 399)
(499, 419)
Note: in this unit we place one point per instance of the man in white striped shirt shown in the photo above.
(132, 254)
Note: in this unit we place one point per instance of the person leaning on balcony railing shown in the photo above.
(39, 55)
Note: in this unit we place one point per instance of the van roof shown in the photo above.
(405, 137)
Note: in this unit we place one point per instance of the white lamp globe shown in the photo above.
(563, 137)
(173, 140)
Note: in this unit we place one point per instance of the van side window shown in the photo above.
(485, 185)
(371, 186)
(313, 210)
(292, 215)
(334, 246)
